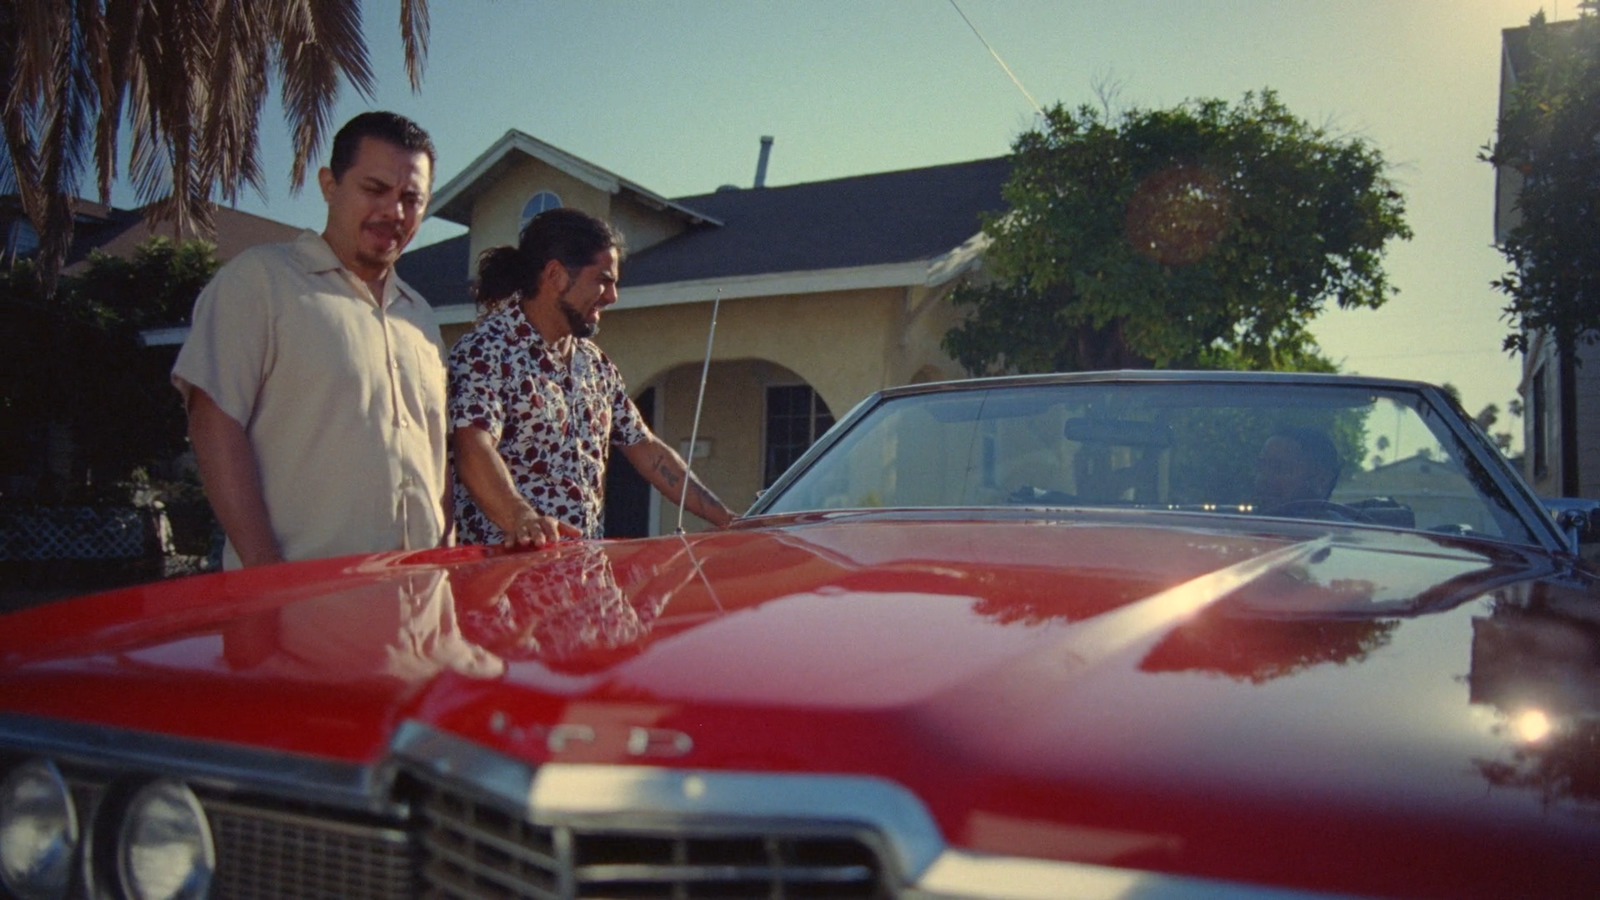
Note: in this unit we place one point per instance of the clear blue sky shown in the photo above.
(676, 94)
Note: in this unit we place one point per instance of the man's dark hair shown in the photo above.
(568, 236)
(388, 127)
(1319, 452)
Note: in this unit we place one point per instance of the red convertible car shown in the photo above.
(1125, 635)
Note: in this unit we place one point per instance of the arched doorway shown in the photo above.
(756, 418)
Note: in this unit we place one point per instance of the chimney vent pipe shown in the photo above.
(761, 165)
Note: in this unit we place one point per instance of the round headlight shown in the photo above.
(38, 832)
(164, 850)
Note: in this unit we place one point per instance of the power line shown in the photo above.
(1414, 355)
(1009, 73)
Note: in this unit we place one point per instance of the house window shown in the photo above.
(536, 204)
(796, 417)
(21, 240)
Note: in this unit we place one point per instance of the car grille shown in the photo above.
(451, 846)
(267, 853)
(474, 850)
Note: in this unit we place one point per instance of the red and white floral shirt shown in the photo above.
(553, 422)
(565, 608)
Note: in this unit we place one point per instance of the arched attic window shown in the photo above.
(536, 204)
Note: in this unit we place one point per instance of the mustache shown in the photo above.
(395, 228)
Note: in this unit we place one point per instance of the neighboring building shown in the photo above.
(1560, 394)
(828, 291)
(235, 232)
(1434, 492)
(117, 232)
(92, 223)
(45, 453)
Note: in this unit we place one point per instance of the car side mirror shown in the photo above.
(1577, 517)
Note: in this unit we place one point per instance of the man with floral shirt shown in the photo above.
(535, 406)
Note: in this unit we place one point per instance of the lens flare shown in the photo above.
(1531, 725)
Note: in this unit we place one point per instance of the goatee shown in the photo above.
(580, 326)
(576, 322)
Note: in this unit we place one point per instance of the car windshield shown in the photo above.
(1356, 454)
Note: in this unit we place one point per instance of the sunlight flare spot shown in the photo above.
(1531, 725)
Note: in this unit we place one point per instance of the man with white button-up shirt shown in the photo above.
(314, 377)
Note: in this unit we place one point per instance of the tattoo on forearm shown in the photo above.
(706, 501)
(682, 488)
(665, 470)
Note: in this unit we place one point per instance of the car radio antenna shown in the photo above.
(699, 400)
(1005, 68)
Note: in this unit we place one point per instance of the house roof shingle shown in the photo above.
(439, 271)
(453, 201)
(864, 220)
(881, 218)
(124, 230)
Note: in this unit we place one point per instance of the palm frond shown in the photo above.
(318, 40)
(188, 80)
(168, 95)
(117, 37)
(49, 110)
(238, 79)
(15, 150)
(63, 140)
(414, 28)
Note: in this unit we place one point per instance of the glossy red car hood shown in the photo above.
(1370, 710)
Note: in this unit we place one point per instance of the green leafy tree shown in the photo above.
(156, 286)
(126, 414)
(1549, 135)
(189, 79)
(83, 371)
(25, 328)
(1207, 235)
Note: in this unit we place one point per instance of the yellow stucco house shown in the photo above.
(827, 292)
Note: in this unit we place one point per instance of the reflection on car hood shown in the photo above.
(1101, 690)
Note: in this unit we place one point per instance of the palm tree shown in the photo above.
(189, 79)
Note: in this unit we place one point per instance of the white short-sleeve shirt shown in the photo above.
(342, 396)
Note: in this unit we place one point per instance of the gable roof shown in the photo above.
(124, 230)
(890, 229)
(864, 220)
(915, 226)
(453, 202)
(118, 232)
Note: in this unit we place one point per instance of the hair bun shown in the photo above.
(501, 274)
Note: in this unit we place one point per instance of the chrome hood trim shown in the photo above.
(927, 866)
(567, 793)
(978, 877)
(224, 766)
